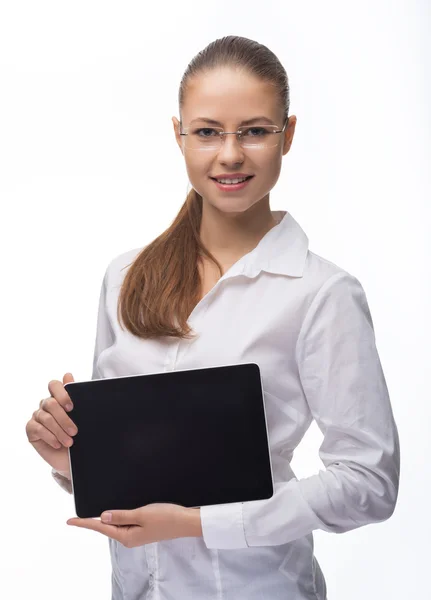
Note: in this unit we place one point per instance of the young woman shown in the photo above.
(231, 281)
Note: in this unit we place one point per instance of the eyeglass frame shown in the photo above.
(238, 132)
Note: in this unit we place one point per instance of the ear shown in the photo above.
(176, 124)
(288, 134)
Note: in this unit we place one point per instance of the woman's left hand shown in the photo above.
(151, 523)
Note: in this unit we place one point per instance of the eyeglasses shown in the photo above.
(210, 138)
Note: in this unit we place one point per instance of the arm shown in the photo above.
(104, 339)
(345, 388)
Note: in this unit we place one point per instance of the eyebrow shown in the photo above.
(247, 122)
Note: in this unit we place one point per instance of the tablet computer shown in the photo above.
(192, 437)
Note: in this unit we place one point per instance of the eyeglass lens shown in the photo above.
(209, 138)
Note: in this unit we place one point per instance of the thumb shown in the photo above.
(68, 378)
(120, 517)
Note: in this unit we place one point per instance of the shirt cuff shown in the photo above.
(62, 481)
(223, 526)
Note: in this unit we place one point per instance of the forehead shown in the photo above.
(229, 95)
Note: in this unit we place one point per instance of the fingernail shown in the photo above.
(69, 406)
(106, 516)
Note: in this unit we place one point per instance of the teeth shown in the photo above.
(231, 180)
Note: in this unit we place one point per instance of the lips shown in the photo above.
(236, 177)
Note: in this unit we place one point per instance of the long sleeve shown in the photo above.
(104, 332)
(104, 339)
(345, 388)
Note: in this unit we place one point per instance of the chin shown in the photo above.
(230, 205)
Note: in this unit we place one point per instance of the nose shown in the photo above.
(230, 150)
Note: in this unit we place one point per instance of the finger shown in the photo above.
(57, 391)
(95, 525)
(125, 535)
(48, 421)
(36, 432)
(50, 405)
(120, 517)
(68, 378)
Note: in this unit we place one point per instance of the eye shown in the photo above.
(260, 131)
(197, 131)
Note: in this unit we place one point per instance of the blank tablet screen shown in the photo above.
(193, 437)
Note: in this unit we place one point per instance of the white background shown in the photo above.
(90, 168)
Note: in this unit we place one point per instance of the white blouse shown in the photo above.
(307, 324)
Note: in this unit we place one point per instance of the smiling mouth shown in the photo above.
(246, 179)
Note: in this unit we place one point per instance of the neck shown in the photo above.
(228, 236)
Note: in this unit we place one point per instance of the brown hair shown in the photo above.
(163, 284)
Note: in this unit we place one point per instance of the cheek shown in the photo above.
(268, 165)
(198, 172)
(198, 167)
(269, 170)
(273, 163)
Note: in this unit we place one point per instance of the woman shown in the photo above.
(232, 281)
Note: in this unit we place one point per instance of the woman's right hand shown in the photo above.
(48, 429)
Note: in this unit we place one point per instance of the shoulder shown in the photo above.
(319, 269)
(118, 266)
(324, 278)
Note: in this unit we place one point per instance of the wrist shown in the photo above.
(191, 525)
